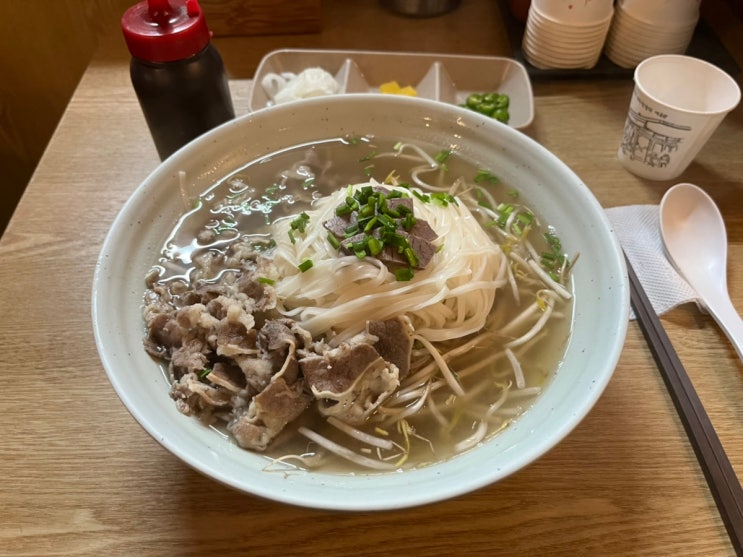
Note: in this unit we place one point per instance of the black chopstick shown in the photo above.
(718, 471)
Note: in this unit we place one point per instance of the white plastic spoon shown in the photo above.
(696, 242)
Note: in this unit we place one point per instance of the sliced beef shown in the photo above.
(337, 225)
(263, 299)
(207, 291)
(276, 335)
(162, 329)
(337, 370)
(231, 357)
(233, 338)
(257, 370)
(228, 376)
(397, 202)
(423, 249)
(419, 237)
(347, 243)
(269, 412)
(350, 381)
(195, 398)
(220, 360)
(421, 229)
(190, 357)
(394, 341)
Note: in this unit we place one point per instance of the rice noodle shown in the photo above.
(449, 299)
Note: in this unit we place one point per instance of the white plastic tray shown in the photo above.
(441, 77)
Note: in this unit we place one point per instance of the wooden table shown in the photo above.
(78, 476)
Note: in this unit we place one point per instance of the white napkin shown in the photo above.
(638, 229)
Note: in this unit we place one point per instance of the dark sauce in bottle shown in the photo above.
(176, 71)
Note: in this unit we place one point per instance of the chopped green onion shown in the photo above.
(422, 196)
(377, 223)
(366, 211)
(480, 199)
(368, 157)
(442, 156)
(553, 241)
(359, 246)
(375, 246)
(352, 230)
(404, 274)
(333, 241)
(371, 224)
(504, 211)
(266, 280)
(443, 199)
(523, 223)
(305, 265)
(204, 372)
(554, 260)
(299, 224)
(486, 175)
(341, 210)
(386, 221)
(525, 218)
(410, 256)
(404, 210)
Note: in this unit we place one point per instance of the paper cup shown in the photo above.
(677, 104)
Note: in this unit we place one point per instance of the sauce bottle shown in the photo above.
(176, 72)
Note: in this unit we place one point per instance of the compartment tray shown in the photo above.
(441, 77)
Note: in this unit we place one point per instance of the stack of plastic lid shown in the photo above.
(566, 33)
(645, 28)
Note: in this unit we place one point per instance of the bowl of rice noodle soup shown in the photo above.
(360, 302)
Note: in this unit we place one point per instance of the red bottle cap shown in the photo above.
(165, 30)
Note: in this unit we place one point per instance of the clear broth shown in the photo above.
(285, 183)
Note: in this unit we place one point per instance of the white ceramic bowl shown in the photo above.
(600, 310)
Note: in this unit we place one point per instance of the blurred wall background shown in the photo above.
(45, 46)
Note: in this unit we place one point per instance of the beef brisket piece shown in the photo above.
(395, 341)
(351, 381)
(269, 412)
